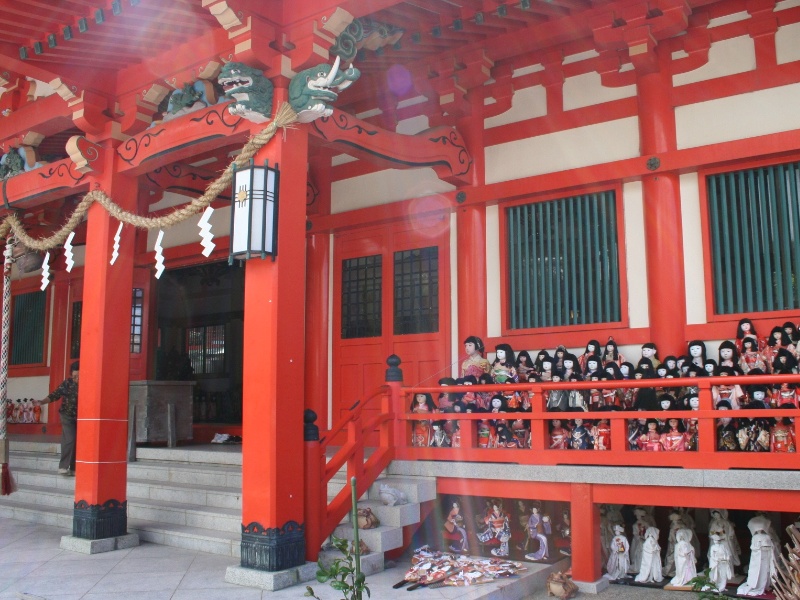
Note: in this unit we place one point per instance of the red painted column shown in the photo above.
(471, 265)
(662, 217)
(273, 496)
(317, 317)
(101, 464)
(585, 534)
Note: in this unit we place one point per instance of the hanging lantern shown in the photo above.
(254, 212)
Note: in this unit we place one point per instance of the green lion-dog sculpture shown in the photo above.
(310, 93)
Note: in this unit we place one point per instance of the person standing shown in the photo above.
(68, 391)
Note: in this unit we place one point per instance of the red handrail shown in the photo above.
(706, 457)
(322, 517)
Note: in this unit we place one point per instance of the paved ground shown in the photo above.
(33, 567)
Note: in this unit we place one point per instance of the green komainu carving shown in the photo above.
(310, 93)
(249, 88)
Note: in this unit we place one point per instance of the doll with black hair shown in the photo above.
(524, 365)
(777, 340)
(627, 395)
(751, 357)
(614, 371)
(559, 436)
(792, 331)
(650, 352)
(580, 435)
(537, 363)
(592, 349)
(644, 398)
(674, 437)
(785, 393)
(726, 430)
(758, 396)
(666, 403)
(609, 397)
(558, 359)
(594, 396)
(650, 440)
(683, 363)
(577, 398)
(439, 437)
(636, 429)
(781, 435)
(593, 364)
(732, 393)
(784, 363)
(671, 362)
(611, 353)
(601, 434)
(710, 367)
(446, 399)
(421, 430)
(697, 352)
(729, 356)
(469, 398)
(503, 366)
(569, 366)
(474, 364)
(753, 433)
(522, 432)
(557, 398)
(483, 399)
(645, 364)
(747, 329)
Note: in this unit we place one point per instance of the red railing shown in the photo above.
(705, 457)
(359, 430)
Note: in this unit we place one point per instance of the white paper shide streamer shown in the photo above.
(159, 254)
(45, 271)
(69, 256)
(117, 238)
(205, 232)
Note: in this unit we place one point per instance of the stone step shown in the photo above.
(417, 489)
(225, 543)
(226, 476)
(381, 539)
(55, 516)
(217, 519)
(211, 496)
(370, 563)
(393, 516)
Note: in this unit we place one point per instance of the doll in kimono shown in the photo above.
(650, 568)
(751, 357)
(592, 349)
(503, 367)
(618, 562)
(559, 437)
(580, 436)
(474, 364)
(421, 430)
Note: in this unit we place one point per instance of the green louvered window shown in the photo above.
(754, 217)
(28, 326)
(563, 262)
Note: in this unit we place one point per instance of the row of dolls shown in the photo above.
(642, 556)
(23, 411)
(537, 537)
(777, 353)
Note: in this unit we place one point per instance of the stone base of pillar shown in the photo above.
(84, 546)
(271, 580)
(592, 587)
(273, 549)
(96, 522)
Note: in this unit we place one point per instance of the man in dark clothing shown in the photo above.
(68, 391)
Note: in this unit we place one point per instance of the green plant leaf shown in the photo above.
(322, 577)
(339, 586)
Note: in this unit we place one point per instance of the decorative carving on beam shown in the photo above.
(183, 178)
(310, 43)
(182, 137)
(638, 28)
(365, 33)
(440, 148)
(54, 180)
(87, 106)
(139, 109)
(86, 155)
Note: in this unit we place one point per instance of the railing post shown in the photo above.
(539, 427)
(316, 498)
(585, 529)
(706, 428)
(394, 379)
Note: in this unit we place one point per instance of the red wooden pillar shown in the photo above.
(101, 465)
(317, 297)
(585, 534)
(471, 265)
(273, 536)
(662, 216)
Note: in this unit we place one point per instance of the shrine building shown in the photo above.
(534, 173)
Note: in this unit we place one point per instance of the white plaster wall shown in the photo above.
(494, 322)
(693, 265)
(527, 103)
(187, 232)
(588, 90)
(571, 149)
(384, 187)
(727, 57)
(787, 43)
(635, 255)
(28, 387)
(413, 126)
(738, 117)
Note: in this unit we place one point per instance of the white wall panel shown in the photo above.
(727, 57)
(494, 320)
(738, 117)
(787, 43)
(383, 187)
(635, 255)
(588, 90)
(574, 148)
(527, 103)
(693, 265)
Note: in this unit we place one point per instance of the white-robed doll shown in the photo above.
(618, 555)
(685, 558)
(720, 566)
(650, 570)
(720, 522)
(639, 530)
(762, 559)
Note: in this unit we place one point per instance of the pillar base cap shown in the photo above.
(592, 587)
(84, 546)
(271, 580)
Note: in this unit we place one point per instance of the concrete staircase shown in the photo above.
(190, 497)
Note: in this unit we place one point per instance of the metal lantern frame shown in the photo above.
(254, 203)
